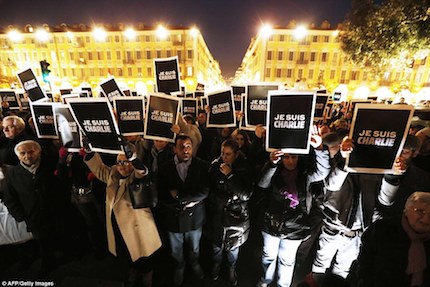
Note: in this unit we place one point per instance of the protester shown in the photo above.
(34, 195)
(228, 213)
(13, 133)
(183, 186)
(132, 234)
(395, 251)
(286, 178)
(348, 209)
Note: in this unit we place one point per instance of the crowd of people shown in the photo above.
(318, 224)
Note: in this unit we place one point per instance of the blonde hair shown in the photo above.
(18, 122)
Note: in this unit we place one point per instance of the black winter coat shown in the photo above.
(41, 200)
(175, 216)
(228, 199)
(384, 256)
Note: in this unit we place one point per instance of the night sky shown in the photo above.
(226, 25)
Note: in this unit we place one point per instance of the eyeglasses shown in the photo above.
(123, 162)
(420, 212)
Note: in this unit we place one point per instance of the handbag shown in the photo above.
(81, 195)
(142, 193)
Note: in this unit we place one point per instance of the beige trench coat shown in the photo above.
(137, 226)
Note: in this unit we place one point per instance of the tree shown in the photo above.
(388, 35)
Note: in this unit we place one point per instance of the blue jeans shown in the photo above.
(232, 255)
(278, 252)
(192, 239)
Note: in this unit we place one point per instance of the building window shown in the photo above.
(128, 56)
(108, 55)
(300, 73)
(315, 38)
(116, 39)
(355, 75)
(311, 74)
(92, 72)
(87, 39)
(72, 56)
(148, 54)
(189, 54)
(101, 72)
(343, 76)
(280, 55)
(119, 71)
(281, 38)
(179, 53)
(130, 71)
(278, 73)
(313, 55)
(332, 74)
(335, 58)
(291, 56)
(326, 39)
(324, 57)
(118, 55)
(139, 55)
(99, 55)
(90, 56)
(158, 53)
(267, 73)
(290, 73)
(302, 56)
(139, 71)
(169, 53)
(149, 72)
(147, 38)
(64, 72)
(269, 55)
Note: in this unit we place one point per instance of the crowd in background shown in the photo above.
(319, 225)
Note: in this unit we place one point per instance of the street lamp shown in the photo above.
(130, 33)
(161, 32)
(99, 34)
(194, 32)
(15, 36)
(300, 32)
(42, 35)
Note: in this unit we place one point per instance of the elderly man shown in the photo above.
(14, 132)
(34, 195)
(394, 251)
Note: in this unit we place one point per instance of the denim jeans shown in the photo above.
(177, 241)
(345, 249)
(232, 255)
(278, 252)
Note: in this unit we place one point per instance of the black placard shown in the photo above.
(167, 75)
(96, 120)
(130, 115)
(256, 103)
(189, 107)
(67, 128)
(31, 86)
(161, 113)
(11, 98)
(111, 90)
(221, 109)
(320, 105)
(289, 121)
(43, 118)
(378, 132)
(238, 92)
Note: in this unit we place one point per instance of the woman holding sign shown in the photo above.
(286, 178)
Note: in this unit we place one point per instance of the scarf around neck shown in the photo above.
(417, 261)
(32, 168)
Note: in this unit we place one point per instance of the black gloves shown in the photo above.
(126, 148)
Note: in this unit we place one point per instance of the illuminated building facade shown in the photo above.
(78, 54)
(314, 56)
